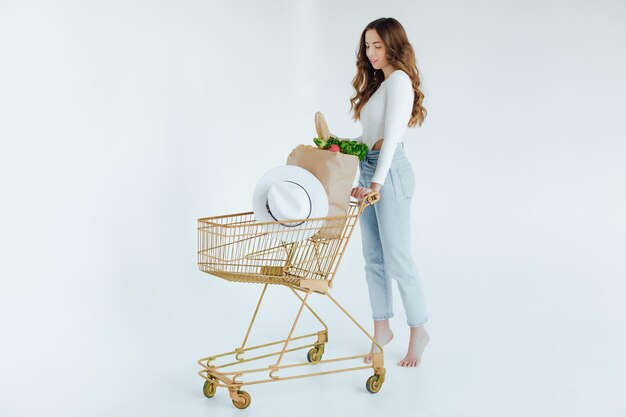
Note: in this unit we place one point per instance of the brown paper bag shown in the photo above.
(336, 171)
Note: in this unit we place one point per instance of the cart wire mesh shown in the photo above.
(237, 247)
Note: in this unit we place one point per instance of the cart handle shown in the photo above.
(370, 199)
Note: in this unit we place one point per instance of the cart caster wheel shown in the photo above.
(373, 385)
(315, 354)
(246, 400)
(209, 389)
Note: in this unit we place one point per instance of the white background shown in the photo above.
(122, 122)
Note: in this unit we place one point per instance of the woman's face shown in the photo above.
(375, 50)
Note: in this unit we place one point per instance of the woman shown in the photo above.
(387, 100)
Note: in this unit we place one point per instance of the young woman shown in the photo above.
(387, 100)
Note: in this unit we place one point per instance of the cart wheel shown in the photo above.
(315, 354)
(372, 384)
(246, 400)
(209, 389)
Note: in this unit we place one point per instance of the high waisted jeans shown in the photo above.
(386, 240)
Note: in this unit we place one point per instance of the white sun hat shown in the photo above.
(289, 192)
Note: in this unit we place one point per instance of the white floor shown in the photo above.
(482, 360)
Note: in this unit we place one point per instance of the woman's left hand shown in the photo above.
(360, 192)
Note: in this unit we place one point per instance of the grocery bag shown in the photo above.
(337, 172)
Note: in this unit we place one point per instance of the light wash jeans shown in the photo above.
(386, 240)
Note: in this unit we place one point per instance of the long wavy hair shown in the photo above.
(400, 55)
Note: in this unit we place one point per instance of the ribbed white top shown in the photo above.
(386, 116)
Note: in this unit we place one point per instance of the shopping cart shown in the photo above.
(238, 248)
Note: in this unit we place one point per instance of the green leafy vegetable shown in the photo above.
(349, 147)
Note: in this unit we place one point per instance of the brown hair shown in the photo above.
(400, 55)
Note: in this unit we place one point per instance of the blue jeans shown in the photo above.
(386, 240)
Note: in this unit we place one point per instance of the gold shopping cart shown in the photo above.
(238, 248)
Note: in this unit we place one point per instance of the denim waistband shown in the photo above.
(372, 155)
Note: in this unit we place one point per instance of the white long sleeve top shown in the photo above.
(386, 115)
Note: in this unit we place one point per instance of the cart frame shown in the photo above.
(213, 249)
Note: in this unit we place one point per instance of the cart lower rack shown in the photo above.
(238, 248)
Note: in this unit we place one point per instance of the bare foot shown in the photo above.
(382, 336)
(417, 342)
